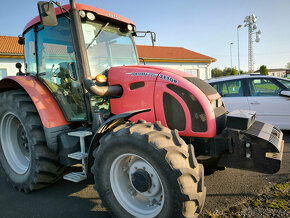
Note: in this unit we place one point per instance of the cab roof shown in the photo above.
(99, 12)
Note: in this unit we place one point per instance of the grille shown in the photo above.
(174, 113)
(198, 118)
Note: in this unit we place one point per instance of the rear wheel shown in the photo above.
(147, 170)
(24, 156)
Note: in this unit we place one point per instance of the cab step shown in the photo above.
(75, 176)
(79, 155)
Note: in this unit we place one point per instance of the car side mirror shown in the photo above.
(285, 93)
(47, 14)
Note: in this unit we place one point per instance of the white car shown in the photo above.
(267, 95)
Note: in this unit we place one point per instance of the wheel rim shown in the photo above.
(147, 203)
(14, 143)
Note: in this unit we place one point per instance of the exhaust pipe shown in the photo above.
(82, 58)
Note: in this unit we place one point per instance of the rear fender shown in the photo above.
(48, 109)
(108, 125)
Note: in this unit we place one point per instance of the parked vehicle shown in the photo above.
(267, 95)
(137, 128)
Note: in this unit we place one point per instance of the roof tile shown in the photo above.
(9, 45)
(162, 52)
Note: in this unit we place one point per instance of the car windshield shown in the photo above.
(107, 48)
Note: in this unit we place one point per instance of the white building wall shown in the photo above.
(9, 65)
(203, 70)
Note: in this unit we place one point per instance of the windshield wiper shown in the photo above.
(98, 33)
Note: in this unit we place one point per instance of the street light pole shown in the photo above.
(239, 48)
(231, 56)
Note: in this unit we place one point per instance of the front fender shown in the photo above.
(108, 125)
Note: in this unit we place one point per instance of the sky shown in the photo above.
(204, 26)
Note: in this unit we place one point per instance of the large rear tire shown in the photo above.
(147, 170)
(24, 156)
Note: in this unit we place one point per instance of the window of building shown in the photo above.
(3, 73)
(194, 72)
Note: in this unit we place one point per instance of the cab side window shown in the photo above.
(30, 52)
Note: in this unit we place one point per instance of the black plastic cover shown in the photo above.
(241, 119)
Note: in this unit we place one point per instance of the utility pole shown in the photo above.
(250, 22)
(238, 27)
(231, 56)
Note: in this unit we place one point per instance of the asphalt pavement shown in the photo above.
(66, 199)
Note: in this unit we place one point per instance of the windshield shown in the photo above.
(107, 48)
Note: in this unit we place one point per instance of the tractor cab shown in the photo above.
(50, 55)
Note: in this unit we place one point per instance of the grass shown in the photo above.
(279, 204)
(277, 198)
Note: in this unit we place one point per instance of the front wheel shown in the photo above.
(147, 170)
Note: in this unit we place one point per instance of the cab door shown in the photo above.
(57, 68)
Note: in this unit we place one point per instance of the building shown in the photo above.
(178, 58)
(173, 57)
(10, 53)
(279, 72)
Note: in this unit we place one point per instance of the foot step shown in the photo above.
(78, 155)
(75, 176)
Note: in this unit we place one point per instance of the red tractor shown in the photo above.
(138, 129)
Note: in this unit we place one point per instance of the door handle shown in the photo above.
(255, 102)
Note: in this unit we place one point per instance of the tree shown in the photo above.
(288, 65)
(227, 71)
(216, 72)
(235, 71)
(242, 72)
(263, 70)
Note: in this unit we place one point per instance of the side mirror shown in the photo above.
(18, 66)
(47, 13)
(285, 93)
(144, 33)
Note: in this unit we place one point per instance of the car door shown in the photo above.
(269, 105)
(232, 92)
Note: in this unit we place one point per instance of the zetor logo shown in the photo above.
(168, 78)
(115, 16)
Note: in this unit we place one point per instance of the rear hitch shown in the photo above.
(258, 148)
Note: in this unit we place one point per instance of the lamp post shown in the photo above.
(231, 56)
(238, 27)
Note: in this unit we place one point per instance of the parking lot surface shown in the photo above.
(66, 199)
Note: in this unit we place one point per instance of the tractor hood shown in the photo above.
(177, 99)
(132, 74)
